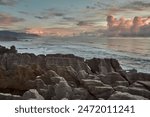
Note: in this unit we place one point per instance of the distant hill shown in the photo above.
(13, 36)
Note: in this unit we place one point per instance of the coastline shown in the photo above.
(60, 76)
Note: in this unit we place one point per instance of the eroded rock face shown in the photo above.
(103, 66)
(112, 78)
(32, 94)
(59, 77)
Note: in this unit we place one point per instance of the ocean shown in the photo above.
(132, 52)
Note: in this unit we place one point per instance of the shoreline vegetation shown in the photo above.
(68, 77)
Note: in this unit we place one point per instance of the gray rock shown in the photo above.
(121, 88)
(125, 96)
(32, 94)
(138, 91)
(146, 84)
(80, 94)
(40, 84)
(63, 90)
(112, 78)
(82, 75)
(133, 77)
(121, 83)
(101, 91)
(91, 82)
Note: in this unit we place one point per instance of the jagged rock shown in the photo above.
(56, 80)
(146, 84)
(134, 91)
(138, 91)
(76, 63)
(4, 96)
(133, 77)
(57, 76)
(121, 88)
(32, 94)
(6, 50)
(46, 77)
(112, 78)
(40, 84)
(101, 91)
(63, 90)
(81, 94)
(82, 75)
(103, 66)
(125, 96)
(91, 82)
(66, 72)
(122, 83)
(138, 85)
(115, 65)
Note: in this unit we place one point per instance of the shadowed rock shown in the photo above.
(58, 76)
(32, 94)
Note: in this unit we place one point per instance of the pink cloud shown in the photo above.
(8, 20)
(128, 27)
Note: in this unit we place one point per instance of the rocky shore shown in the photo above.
(63, 77)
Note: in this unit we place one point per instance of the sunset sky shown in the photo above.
(66, 17)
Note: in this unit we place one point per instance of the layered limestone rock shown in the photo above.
(58, 77)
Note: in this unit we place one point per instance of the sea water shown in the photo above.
(132, 52)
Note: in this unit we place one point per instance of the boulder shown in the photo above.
(81, 94)
(63, 90)
(32, 94)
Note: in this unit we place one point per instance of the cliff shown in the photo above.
(57, 76)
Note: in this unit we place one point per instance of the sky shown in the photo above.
(66, 17)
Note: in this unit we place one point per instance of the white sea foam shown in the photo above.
(131, 53)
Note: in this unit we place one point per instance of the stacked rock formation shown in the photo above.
(58, 77)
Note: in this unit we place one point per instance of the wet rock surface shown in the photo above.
(58, 77)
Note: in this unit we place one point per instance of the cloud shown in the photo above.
(8, 20)
(69, 18)
(24, 12)
(41, 17)
(48, 13)
(137, 5)
(138, 26)
(8, 2)
(61, 32)
(84, 23)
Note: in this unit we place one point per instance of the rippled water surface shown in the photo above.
(131, 52)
